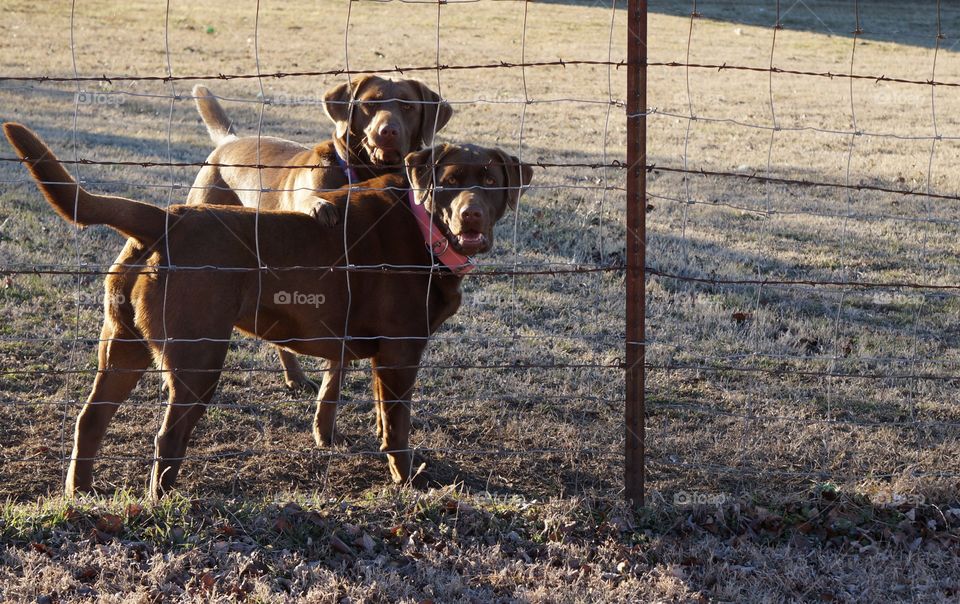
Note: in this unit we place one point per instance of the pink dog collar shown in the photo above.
(437, 242)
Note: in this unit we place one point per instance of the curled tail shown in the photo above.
(141, 221)
(211, 112)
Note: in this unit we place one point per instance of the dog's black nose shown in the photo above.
(471, 216)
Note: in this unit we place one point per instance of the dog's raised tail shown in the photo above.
(141, 221)
(211, 112)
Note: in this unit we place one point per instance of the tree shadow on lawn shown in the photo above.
(911, 23)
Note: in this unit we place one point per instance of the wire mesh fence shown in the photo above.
(803, 276)
(801, 272)
(519, 351)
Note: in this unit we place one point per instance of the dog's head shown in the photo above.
(467, 189)
(385, 119)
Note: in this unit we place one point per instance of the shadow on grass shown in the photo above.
(247, 473)
(911, 23)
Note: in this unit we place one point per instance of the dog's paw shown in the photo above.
(301, 384)
(325, 213)
(328, 441)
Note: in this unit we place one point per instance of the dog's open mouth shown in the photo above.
(469, 242)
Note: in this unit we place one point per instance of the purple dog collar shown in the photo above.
(347, 169)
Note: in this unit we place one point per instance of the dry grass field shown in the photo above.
(818, 425)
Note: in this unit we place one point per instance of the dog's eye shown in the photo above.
(406, 106)
(365, 108)
(451, 181)
(489, 181)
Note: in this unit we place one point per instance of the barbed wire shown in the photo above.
(281, 99)
(352, 401)
(259, 166)
(328, 72)
(328, 454)
(714, 468)
(490, 270)
(515, 366)
(755, 177)
(719, 67)
(523, 366)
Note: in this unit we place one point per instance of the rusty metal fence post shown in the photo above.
(636, 248)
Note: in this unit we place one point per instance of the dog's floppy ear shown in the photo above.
(420, 168)
(518, 175)
(337, 101)
(434, 113)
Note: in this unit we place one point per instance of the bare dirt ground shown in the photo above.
(822, 481)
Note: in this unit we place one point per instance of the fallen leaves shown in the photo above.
(110, 524)
(365, 542)
(227, 530)
(340, 547)
(133, 510)
(86, 574)
(829, 518)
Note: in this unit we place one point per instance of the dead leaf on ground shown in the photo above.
(110, 524)
(340, 546)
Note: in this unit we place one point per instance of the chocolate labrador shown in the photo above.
(378, 121)
(293, 293)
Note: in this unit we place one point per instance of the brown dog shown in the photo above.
(161, 288)
(378, 121)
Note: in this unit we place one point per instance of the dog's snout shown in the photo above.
(385, 139)
(471, 215)
(388, 131)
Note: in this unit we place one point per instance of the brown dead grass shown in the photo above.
(447, 546)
